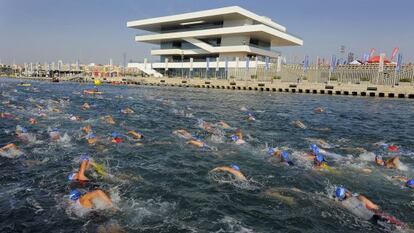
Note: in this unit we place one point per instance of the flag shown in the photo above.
(226, 64)
(207, 63)
(247, 63)
(381, 63)
(333, 63)
(399, 62)
(372, 52)
(306, 63)
(394, 52)
(217, 63)
(191, 63)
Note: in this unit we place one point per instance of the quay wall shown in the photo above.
(330, 88)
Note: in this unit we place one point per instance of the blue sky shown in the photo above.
(95, 30)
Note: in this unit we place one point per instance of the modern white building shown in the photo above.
(211, 43)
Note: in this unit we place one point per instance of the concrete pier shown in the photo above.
(331, 88)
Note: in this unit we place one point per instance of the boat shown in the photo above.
(92, 92)
(24, 84)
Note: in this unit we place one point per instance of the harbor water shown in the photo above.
(162, 184)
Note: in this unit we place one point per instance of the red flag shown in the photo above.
(394, 52)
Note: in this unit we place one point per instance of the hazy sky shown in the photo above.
(95, 30)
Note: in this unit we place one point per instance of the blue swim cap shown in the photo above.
(235, 167)
(271, 151)
(384, 145)
(84, 156)
(285, 155)
(340, 193)
(71, 176)
(75, 194)
(234, 137)
(90, 135)
(314, 148)
(23, 130)
(116, 135)
(410, 183)
(319, 158)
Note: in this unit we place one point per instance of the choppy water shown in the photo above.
(162, 184)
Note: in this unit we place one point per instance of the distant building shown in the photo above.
(210, 41)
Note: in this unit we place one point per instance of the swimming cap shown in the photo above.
(319, 158)
(271, 151)
(84, 156)
(235, 167)
(384, 145)
(410, 183)
(55, 130)
(314, 148)
(285, 155)
(71, 176)
(75, 194)
(90, 135)
(378, 157)
(340, 193)
(234, 137)
(115, 134)
(23, 130)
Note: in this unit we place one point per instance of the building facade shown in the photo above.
(213, 43)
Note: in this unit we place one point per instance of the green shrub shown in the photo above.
(405, 80)
(364, 79)
(277, 77)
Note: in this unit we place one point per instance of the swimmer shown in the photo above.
(32, 121)
(109, 120)
(319, 110)
(6, 115)
(80, 176)
(74, 118)
(237, 137)
(22, 133)
(283, 155)
(86, 106)
(223, 125)
(10, 151)
(87, 129)
(182, 133)
(299, 124)
(127, 111)
(90, 199)
(233, 169)
(197, 142)
(389, 147)
(408, 182)
(319, 162)
(136, 135)
(91, 138)
(116, 137)
(54, 134)
(392, 163)
(250, 117)
(362, 207)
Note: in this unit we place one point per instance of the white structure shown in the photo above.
(210, 41)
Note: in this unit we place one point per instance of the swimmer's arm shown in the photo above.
(98, 194)
(368, 203)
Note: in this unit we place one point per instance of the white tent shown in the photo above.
(355, 62)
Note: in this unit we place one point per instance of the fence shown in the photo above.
(353, 74)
